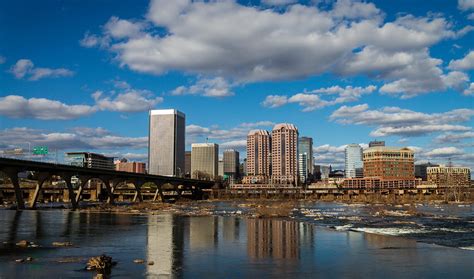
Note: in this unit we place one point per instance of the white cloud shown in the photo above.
(131, 100)
(444, 152)
(311, 100)
(127, 100)
(235, 137)
(417, 130)
(235, 144)
(208, 87)
(456, 80)
(470, 90)
(351, 9)
(2, 59)
(72, 140)
(403, 122)
(454, 138)
(254, 43)
(15, 106)
(91, 40)
(274, 101)
(121, 28)
(257, 124)
(463, 64)
(138, 157)
(24, 68)
(329, 155)
(465, 5)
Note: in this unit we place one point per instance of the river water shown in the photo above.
(320, 240)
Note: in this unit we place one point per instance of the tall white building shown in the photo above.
(305, 145)
(166, 142)
(204, 160)
(353, 161)
(302, 167)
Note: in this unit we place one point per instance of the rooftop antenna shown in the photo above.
(450, 163)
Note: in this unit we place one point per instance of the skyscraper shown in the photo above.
(305, 146)
(204, 160)
(302, 168)
(353, 161)
(231, 163)
(187, 164)
(258, 153)
(285, 154)
(166, 142)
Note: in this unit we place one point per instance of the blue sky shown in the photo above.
(81, 75)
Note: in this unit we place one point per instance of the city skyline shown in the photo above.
(418, 93)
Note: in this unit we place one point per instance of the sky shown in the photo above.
(82, 74)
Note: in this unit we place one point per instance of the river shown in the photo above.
(321, 240)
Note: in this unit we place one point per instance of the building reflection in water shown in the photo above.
(170, 237)
(164, 245)
(203, 232)
(273, 238)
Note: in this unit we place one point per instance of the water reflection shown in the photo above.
(211, 247)
(269, 238)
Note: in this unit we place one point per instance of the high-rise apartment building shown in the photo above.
(376, 143)
(285, 154)
(258, 153)
(353, 161)
(204, 160)
(231, 164)
(444, 176)
(166, 142)
(305, 146)
(389, 163)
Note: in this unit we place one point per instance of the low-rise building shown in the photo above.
(389, 163)
(125, 165)
(420, 170)
(374, 183)
(90, 160)
(444, 176)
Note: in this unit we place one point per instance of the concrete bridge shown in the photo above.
(111, 179)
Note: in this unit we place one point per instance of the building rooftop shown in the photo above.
(387, 148)
(87, 153)
(166, 112)
(203, 144)
(284, 125)
(258, 132)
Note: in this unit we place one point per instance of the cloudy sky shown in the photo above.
(81, 75)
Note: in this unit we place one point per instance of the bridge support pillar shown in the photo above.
(84, 180)
(178, 191)
(13, 175)
(109, 185)
(72, 198)
(138, 193)
(42, 177)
